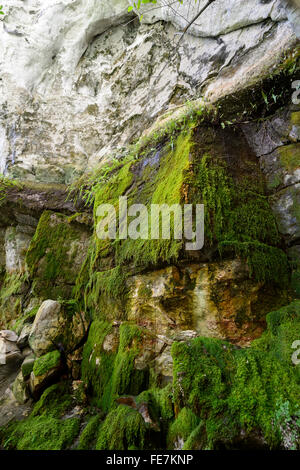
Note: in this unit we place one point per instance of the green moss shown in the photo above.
(238, 218)
(44, 429)
(42, 433)
(160, 403)
(182, 427)
(124, 428)
(49, 256)
(110, 283)
(10, 296)
(266, 263)
(196, 439)
(5, 185)
(242, 390)
(55, 401)
(27, 318)
(290, 157)
(45, 363)
(89, 435)
(27, 368)
(110, 374)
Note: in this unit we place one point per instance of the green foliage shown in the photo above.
(242, 390)
(44, 429)
(45, 363)
(160, 403)
(50, 254)
(239, 219)
(5, 183)
(182, 427)
(87, 440)
(43, 433)
(124, 428)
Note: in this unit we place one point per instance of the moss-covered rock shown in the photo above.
(243, 391)
(123, 429)
(109, 368)
(44, 429)
(55, 254)
(45, 363)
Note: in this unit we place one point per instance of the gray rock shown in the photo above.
(10, 354)
(47, 326)
(20, 389)
(53, 325)
(24, 336)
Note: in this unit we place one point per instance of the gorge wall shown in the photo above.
(133, 344)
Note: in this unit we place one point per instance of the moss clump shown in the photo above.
(165, 186)
(87, 440)
(108, 284)
(160, 403)
(97, 364)
(5, 185)
(238, 391)
(110, 374)
(123, 429)
(290, 157)
(51, 254)
(44, 429)
(182, 427)
(266, 263)
(45, 363)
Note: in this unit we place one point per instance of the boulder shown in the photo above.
(46, 371)
(10, 354)
(46, 328)
(24, 336)
(56, 326)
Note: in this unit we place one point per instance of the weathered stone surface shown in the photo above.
(77, 92)
(277, 144)
(46, 327)
(27, 366)
(10, 354)
(211, 299)
(285, 205)
(16, 244)
(37, 384)
(8, 335)
(24, 336)
(56, 254)
(52, 326)
(20, 389)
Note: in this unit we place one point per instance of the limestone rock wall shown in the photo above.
(133, 331)
(81, 79)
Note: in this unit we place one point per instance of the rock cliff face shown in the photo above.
(132, 344)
